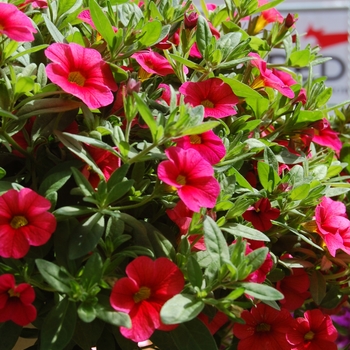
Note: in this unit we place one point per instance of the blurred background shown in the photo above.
(325, 23)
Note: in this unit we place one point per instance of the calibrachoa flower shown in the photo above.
(24, 222)
(216, 96)
(261, 214)
(16, 301)
(265, 328)
(280, 82)
(15, 24)
(333, 225)
(192, 176)
(325, 136)
(294, 287)
(314, 331)
(105, 160)
(209, 145)
(81, 72)
(153, 63)
(268, 16)
(148, 285)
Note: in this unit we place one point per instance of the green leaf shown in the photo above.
(300, 58)
(150, 33)
(9, 333)
(118, 191)
(300, 192)
(257, 257)
(102, 23)
(47, 105)
(86, 312)
(55, 33)
(181, 308)
(92, 273)
(73, 211)
(54, 275)
(309, 116)
(240, 230)
(117, 176)
(86, 236)
(83, 183)
(215, 242)
(268, 177)
(194, 272)
(199, 129)
(241, 180)
(54, 182)
(119, 319)
(261, 291)
(58, 327)
(318, 286)
(24, 85)
(203, 34)
(146, 115)
(193, 335)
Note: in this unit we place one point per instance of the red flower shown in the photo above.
(105, 160)
(15, 24)
(81, 72)
(16, 301)
(143, 293)
(277, 80)
(265, 328)
(294, 288)
(333, 225)
(209, 145)
(192, 176)
(261, 214)
(216, 96)
(24, 222)
(314, 331)
(214, 323)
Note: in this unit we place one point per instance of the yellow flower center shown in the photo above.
(309, 335)
(143, 75)
(142, 294)
(181, 180)
(257, 83)
(195, 139)
(12, 293)
(263, 327)
(261, 23)
(207, 103)
(77, 78)
(18, 221)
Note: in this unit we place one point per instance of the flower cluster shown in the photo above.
(162, 183)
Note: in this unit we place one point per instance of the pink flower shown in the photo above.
(35, 4)
(280, 82)
(16, 301)
(181, 215)
(153, 63)
(24, 222)
(216, 96)
(81, 72)
(261, 214)
(325, 136)
(148, 285)
(333, 225)
(105, 160)
(294, 287)
(85, 16)
(265, 328)
(314, 331)
(209, 145)
(192, 176)
(15, 24)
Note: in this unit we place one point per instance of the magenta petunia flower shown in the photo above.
(24, 222)
(333, 225)
(325, 136)
(209, 145)
(314, 331)
(148, 285)
(153, 63)
(216, 96)
(81, 72)
(265, 328)
(192, 176)
(15, 24)
(261, 214)
(16, 301)
(280, 81)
